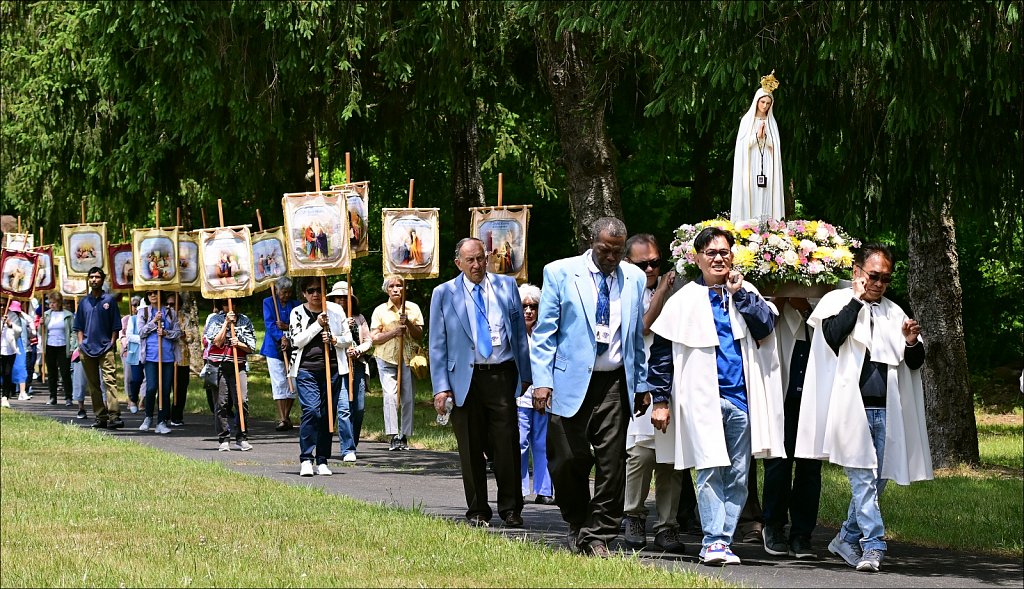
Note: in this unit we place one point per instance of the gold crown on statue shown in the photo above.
(769, 83)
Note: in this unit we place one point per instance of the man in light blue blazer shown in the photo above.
(479, 356)
(588, 364)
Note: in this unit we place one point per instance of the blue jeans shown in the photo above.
(152, 369)
(722, 490)
(136, 374)
(864, 518)
(314, 430)
(351, 412)
(533, 438)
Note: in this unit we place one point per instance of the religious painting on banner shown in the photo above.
(357, 195)
(188, 260)
(268, 257)
(503, 231)
(21, 242)
(70, 286)
(122, 266)
(155, 256)
(316, 233)
(226, 269)
(17, 273)
(85, 246)
(46, 277)
(410, 242)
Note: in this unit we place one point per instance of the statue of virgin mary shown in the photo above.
(757, 168)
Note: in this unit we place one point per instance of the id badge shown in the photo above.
(603, 334)
(495, 337)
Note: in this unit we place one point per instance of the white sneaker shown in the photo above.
(146, 423)
(5, 403)
(243, 445)
(350, 457)
(306, 470)
(133, 408)
(161, 428)
(322, 470)
(24, 397)
(224, 447)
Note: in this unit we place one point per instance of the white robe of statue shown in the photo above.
(748, 200)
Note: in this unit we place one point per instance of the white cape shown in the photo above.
(748, 200)
(833, 426)
(697, 436)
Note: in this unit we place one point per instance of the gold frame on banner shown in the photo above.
(494, 226)
(165, 261)
(359, 219)
(45, 262)
(188, 239)
(226, 270)
(120, 280)
(19, 242)
(405, 252)
(77, 235)
(279, 268)
(67, 284)
(24, 265)
(304, 213)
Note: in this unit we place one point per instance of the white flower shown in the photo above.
(754, 238)
(821, 234)
(790, 257)
(681, 266)
(753, 247)
(807, 246)
(774, 240)
(815, 267)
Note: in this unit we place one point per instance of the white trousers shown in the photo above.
(389, 384)
(278, 380)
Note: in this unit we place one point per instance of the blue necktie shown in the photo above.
(604, 306)
(483, 328)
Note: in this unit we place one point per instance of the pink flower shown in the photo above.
(767, 257)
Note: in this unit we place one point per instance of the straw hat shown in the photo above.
(340, 289)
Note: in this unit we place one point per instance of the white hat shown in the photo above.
(340, 289)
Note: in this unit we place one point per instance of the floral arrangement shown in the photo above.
(800, 251)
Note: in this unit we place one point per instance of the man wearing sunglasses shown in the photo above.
(863, 403)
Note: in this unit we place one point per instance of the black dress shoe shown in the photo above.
(513, 520)
(99, 425)
(597, 549)
(115, 423)
(544, 500)
(572, 539)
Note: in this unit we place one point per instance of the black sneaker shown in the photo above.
(52, 401)
(404, 443)
(800, 548)
(100, 424)
(774, 541)
(396, 443)
(81, 414)
(115, 423)
(68, 403)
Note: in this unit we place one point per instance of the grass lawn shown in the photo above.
(84, 509)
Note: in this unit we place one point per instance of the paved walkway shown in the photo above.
(431, 481)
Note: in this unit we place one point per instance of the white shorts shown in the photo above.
(279, 379)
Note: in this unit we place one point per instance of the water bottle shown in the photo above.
(442, 419)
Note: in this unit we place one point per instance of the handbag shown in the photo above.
(210, 375)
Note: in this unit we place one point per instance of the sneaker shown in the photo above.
(731, 558)
(281, 426)
(146, 424)
(404, 441)
(774, 543)
(161, 428)
(133, 408)
(99, 424)
(174, 423)
(396, 443)
(306, 469)
(636, 532)
(800, 548)
(871, 560)
(714, 554)
(668, 541)
(24, 397)
(7, 405)
(51, 401)
(68, 403)
(851, 553)
(116, 423)
(224, 447)
(350, 457)
(81, 412)
(243, 445)
(323, 470)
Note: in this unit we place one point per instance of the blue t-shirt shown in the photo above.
(272, 340)
(168, 344)
(99, 320)
(728, 355)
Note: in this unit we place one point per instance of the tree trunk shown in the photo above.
(580, 87)
(467, 185)
(935, 291)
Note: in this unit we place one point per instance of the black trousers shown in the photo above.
(751, 518)
(58, 364)
(600, 423)
(787, 494)
(180, 394)
(488, 420)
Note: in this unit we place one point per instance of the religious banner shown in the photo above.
(70, 286)
(17, 273)
(503, 231)
(155, 256)
(316, 233)
(122, 266)
(188, 260)
(85, 246)
(46, 277)
(410, 241)
(226, 270)
(357, 196)
(21, 242)
(268, 257)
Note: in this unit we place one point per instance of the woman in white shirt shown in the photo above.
(55, 336)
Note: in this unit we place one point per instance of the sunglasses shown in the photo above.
(876, 276)
(312, 291)
(533, 306)
(648, 264)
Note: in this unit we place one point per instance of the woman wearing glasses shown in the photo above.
(158, 337)
(533, 425)
(317, 329)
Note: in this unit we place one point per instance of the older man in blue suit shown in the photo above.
(479, 356)
(588, 363)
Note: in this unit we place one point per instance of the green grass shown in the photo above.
(84, 509)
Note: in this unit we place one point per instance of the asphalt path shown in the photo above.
(431, 481)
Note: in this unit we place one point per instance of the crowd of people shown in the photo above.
(610, 367)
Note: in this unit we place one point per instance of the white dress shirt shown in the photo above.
(502, 351)
(611, 359)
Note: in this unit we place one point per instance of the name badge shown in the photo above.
(603, 334)
(495, 336)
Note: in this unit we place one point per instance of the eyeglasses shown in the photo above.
(655, 263)
(312, 291)
(877, 277)
(533, 306)
(712, 254)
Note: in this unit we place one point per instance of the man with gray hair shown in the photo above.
(276, 311)
(588, 363)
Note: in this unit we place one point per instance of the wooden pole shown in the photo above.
(203, 211)
(401, 336)
(499, 189)
(277, 313)
(19, 225)
(234, 350)
(351, 368)
(159, 338)
(323, 303)
(411, 182)
(83, 210)
(42, 352)
(348, 173)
